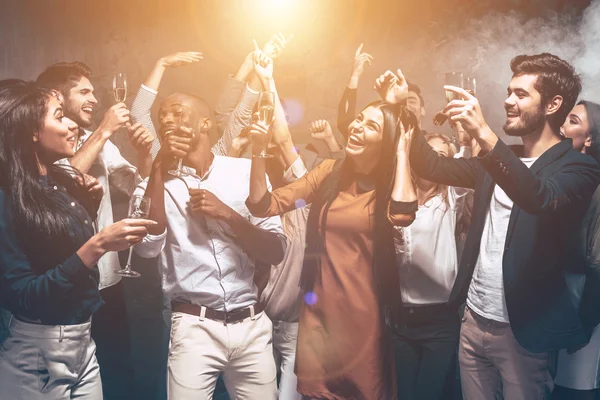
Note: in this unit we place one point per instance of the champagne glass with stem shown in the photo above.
(120, 87)
(266, 114)
(139, 207)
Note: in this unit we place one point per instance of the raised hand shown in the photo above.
(116, 117)
(276, 44)
(263, 64)
(321, 130)
(181, 58)
(467, 111)
(405, 140)
(140, 138)
(392, 87)
(207, 204)
(258, 133)
(360, 60)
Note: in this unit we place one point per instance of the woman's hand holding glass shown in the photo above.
(123, 234)
(259, 137)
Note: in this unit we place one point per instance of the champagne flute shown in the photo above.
(139, 207)
(453, 79)
(469, 84)
(183, 118)
(266, 114)
(120, 87)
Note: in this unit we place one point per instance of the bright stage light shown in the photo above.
(274, 9)
(278, 5)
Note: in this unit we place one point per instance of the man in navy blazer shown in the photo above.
(528, 202)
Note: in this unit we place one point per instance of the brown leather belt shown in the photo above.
(231, 317)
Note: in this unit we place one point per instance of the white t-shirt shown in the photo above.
(486, 293)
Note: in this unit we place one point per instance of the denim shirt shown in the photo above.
(43, 278)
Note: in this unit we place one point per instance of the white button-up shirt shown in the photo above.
(112, 171)
(202, 262)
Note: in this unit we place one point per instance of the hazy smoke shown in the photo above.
(485, 47)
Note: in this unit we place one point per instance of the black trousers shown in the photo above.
(425, 346)
(110, 331)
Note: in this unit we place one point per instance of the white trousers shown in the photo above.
(49, 362)
(285, 337)
(200, 350)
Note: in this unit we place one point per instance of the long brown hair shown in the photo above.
(384, 265)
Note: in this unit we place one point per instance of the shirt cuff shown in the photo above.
(146, 88)
(151, 245)
(464, 152)
(248, 88)
(296, 171)
(403, 207)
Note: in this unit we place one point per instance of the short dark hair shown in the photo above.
(555, 77)
(63, 76)
(415, 88)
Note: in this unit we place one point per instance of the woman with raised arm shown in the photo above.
(349, 275)
(48, 252)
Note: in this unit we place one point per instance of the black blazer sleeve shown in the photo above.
(426, 162)
(575, 182)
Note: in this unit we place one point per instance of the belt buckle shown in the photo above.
(229, 316)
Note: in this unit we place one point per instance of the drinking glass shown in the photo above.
(184, 118)
(469, 84)
(139, 207)
(266, 114)
(453, 79)
(120, 87)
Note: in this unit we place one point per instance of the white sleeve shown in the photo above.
(464, 152)
(457, 194)
(296, 171)
(151, 245)
(140, 112)
(239, 119)
(121, 174)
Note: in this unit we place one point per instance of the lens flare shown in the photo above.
(310, 298)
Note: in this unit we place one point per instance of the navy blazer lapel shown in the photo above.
(551, 155)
